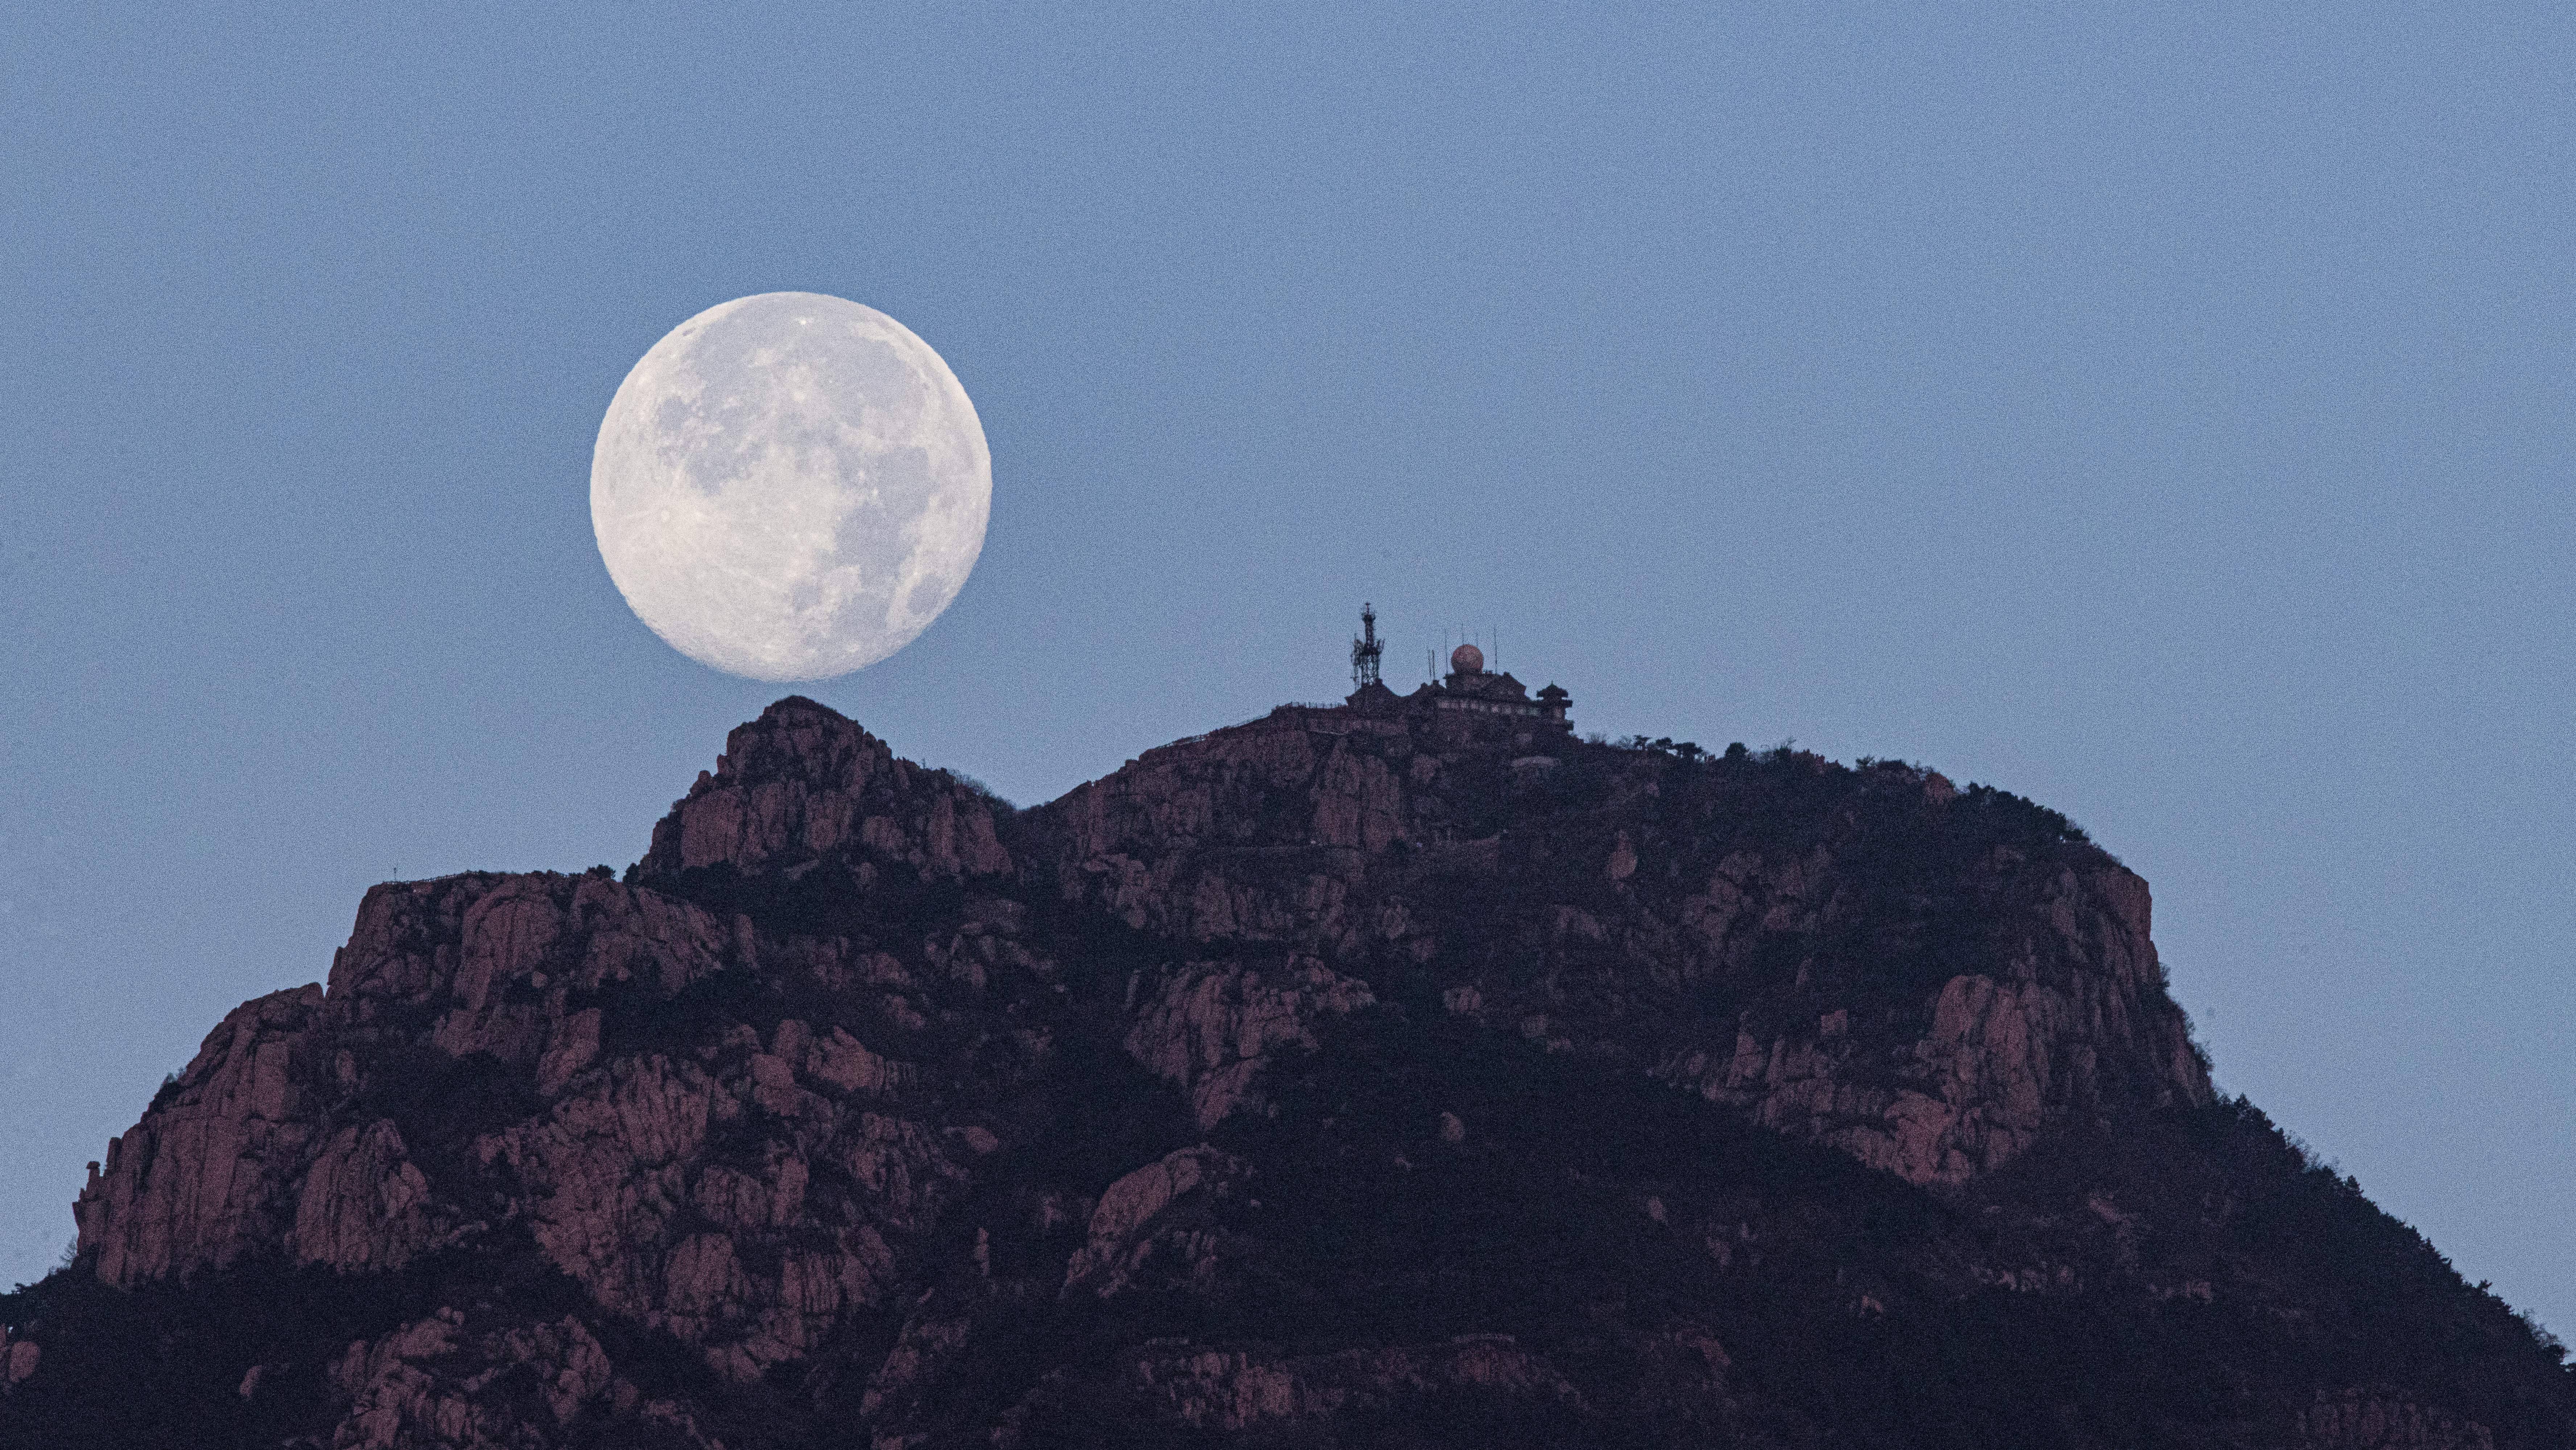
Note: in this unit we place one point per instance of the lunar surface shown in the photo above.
(790, 486)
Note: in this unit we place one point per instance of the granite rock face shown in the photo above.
(801, 784)
(1324, 842)
(212, 1173)
(1341, 1078)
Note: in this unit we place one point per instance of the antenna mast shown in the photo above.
(1366, 649)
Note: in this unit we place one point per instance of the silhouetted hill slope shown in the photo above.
(1339, 1079)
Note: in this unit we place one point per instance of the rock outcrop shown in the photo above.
(1331, 843)
(209, 1173)
(1210, 1027)
(801, 784)
(1341, 1078)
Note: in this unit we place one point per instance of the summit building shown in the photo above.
(1468, 692)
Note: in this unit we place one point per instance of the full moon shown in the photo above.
(790, 486)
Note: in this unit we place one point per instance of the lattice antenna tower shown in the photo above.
(1366, 649)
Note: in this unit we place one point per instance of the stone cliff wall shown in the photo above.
(1641, 918)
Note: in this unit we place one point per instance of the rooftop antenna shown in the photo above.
(1366, 649)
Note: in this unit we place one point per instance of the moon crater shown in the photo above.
(790, 486)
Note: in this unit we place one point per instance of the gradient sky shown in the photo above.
(2164, 415)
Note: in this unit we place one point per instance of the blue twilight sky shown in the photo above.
(2164, 415)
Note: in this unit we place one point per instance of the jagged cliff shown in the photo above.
(1342, 1078)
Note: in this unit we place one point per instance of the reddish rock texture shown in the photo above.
(1137, 1219)
(801, 782)
(1322, 833)
(2001, 1054)
(265, 1143)
(1210, 1027)
(1336, 1079)
(206, 1176)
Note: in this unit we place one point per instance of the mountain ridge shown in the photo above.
(1349, 1076)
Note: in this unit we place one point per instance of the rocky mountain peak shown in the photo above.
(803, 783)
(1352, 1076)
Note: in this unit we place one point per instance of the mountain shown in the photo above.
(1410, 1072)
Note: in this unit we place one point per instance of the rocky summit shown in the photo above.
(1357, 1076)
